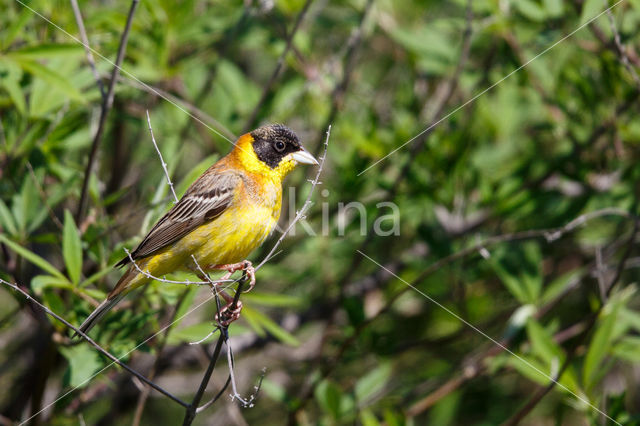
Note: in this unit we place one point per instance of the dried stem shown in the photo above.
(164, 165)
(621, 51)
(107, 103)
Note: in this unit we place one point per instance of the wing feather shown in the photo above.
(205, 200)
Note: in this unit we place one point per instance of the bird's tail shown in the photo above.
(99, 312)
(120, 290)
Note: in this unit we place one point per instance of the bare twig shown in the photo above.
(192, 408)
(278, 68)
(94, 344)
(87, 49)
(300, 214)
(164, 280)
(622, 53)
(106, 107)
(164, 165)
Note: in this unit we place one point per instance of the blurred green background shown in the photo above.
(343, 339)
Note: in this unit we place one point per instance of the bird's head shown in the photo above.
(273, 150)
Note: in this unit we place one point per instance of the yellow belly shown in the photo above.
(229, 238)
(234, 235)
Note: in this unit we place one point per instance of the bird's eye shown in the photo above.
(280, 146)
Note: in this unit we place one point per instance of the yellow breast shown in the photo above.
(242, 227)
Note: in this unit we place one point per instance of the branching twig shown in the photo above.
(106, 107)
(164, 165)
(192, 408)
(621, 50)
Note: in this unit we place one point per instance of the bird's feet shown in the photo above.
(245, 266)
(227, 315)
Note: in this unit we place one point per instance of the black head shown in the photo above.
(273, 142)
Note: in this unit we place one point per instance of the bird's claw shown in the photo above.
(227, 315)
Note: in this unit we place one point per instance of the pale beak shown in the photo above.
(303, 157)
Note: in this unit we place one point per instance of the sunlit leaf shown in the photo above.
(72, 248)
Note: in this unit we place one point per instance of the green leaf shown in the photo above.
(41, 282)
(329, 397)
(50, 76)
(599, 347)
(628, 349)
(512, 283)
(554, 8)
(15, 92)
(6, 219)
(32, 257)
(274, 390)
(83, 360)
(53, 301)
(372, 382)
(542, 343)
(269, 325)
(273, 299)
(72, 248)
(96, 276)
(367, 418)
(590, 9)
(47, 51)
(530, 10)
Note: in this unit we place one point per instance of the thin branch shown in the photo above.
(106, 107)
(622, 53)
(164, 165)
(300, 214)
(87, 49)
(192, 409)
(94, 344)
(278, 68)
(163, 280)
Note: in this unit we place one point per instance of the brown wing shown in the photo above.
(205, 200)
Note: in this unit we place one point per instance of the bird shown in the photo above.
(223, 216)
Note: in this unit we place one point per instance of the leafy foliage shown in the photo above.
(534, 125)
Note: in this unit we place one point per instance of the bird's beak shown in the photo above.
(303, 157)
